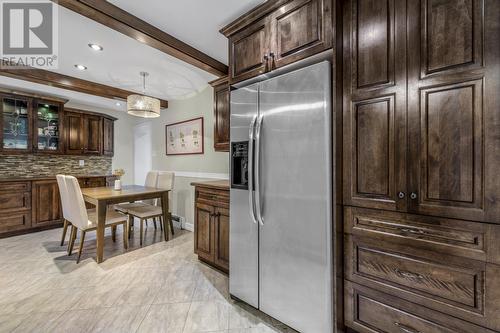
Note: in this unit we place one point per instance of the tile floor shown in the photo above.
(161, 287)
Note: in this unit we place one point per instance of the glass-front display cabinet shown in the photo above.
(29, 124)
(16, 124)
(48, 119)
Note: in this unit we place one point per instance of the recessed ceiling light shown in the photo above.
(118, 104)
(81, 67)
(96, 47)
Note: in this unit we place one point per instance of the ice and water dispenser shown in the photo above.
(239, 165)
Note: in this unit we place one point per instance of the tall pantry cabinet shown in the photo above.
(421, 127)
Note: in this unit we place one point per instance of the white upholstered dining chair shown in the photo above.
(86, 220)
(153, 210)
(151, 181)
(63, 193)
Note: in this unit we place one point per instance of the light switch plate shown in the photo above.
(81, 163)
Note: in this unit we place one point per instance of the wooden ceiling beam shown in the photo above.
(130, 25)
(53, 79)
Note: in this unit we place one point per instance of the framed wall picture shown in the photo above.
(185, 137)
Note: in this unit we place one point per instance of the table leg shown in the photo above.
(101, 223)
(166, 215)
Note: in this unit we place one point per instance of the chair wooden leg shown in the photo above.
(65, 229)
(80, 249)
(161, 222)
(125, 235)
(154, 222)
(130, 225)
(141, 231)
(72, 238)
(171, 223)
(113, 233)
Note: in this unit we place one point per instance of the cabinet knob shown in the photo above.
(401, 195)
(413, 195)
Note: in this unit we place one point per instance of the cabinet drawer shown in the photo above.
(15, 221)
(14, 201)
(460, 287)
(369, 311)
(472, 240)
(213, 197)
(15, 187)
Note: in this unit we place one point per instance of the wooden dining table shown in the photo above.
(101, 197)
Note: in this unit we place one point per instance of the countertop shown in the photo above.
(30, 178)
(222, 184)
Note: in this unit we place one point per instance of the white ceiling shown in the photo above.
(119, 64)
(195, 22)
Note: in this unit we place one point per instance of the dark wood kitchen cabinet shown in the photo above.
(277, 33)
(108, 132)
(84, 133)
(221, 114)
(33, 205)
(221, 239)
(249, 51)
(89, 133)
(421, 127)
(31, 124)
(422, 136)
(46, 203)
(92, 134)
(74, 137)
(211, 223)
(15, 206)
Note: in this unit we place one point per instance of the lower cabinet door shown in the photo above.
(221, 239)
(46, 203)
(370, 311)
(204, 232)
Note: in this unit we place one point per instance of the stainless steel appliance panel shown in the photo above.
(294, 198)
(243, 237)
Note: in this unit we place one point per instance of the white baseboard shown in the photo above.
(207, 175)
(189, 226)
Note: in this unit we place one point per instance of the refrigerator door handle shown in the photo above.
(251, 142)
(258, 208)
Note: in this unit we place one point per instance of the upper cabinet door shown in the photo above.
(108, 126)
(92, 134)
(249, 51)
(300, 29)
(15, 117)
(74, 139)
(221, 117)
(453, 111)
(375, 104)
(48, 127)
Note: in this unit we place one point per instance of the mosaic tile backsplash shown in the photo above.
(30, 165)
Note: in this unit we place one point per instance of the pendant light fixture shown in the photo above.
(142, 105)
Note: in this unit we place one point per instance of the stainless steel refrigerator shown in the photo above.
(281, 197)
